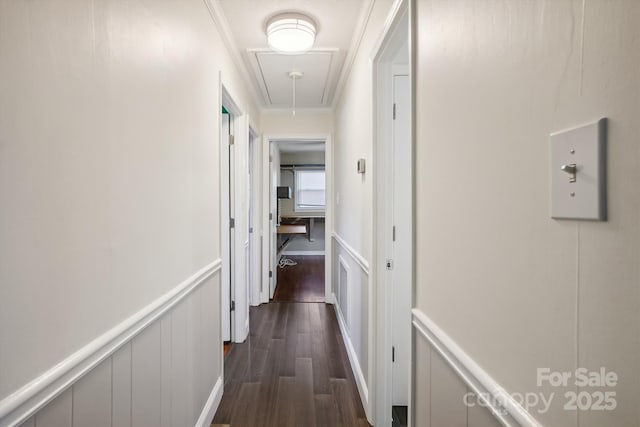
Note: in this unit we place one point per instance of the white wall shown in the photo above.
(282, 122)
(108, 167)
(514, 288)
(352, 196)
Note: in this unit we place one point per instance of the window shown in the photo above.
(310, 189)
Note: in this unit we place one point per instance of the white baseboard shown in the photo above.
(302, 252)
(353, 358)
(210, 408)
(512, 413)
(33, 396)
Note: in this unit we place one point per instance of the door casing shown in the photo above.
(395, 37)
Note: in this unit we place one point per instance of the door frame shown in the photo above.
(397, 31)
(255, 215)
(238, 277)
(268, 141)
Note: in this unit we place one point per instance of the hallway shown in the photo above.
(292, 371)
(302, 281)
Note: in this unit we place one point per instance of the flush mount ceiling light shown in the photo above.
(291, 33)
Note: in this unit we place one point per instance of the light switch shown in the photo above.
(578, 172)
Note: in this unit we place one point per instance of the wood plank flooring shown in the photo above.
(303, 282)
(293, 371)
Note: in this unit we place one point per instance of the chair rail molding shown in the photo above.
(511, 414)
(364, 264)
(33, 396)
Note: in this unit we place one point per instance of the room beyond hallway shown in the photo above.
(293, 370)
(302, 281)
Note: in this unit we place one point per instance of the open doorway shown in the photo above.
(393, 221)
(235, 200)
(300, 223)
(298, 218)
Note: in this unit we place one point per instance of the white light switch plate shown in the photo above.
(586, 198)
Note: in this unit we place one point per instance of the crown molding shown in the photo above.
(223, 28)
(358, 35)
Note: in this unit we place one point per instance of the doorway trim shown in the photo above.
(237, 277)
(268, 140)
(255, 215)
(396, 33)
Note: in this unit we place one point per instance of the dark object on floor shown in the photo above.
(400, 417)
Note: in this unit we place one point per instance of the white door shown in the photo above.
(251, 254)
(401, 273)
(274, 181)
(227, 205)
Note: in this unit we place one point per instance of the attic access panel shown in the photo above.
(311, 89)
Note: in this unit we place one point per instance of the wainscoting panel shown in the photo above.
(447, 394)
(481, 417)
(343, 289)
(166, 354)
(446, 383)
(58, 413)
(351, 294)
(92, 397)
(421, 404)
(179, 381)
(121, 386)
(146, 378)
(161, 367)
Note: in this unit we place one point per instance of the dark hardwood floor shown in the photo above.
(303, 282)
(293, 371)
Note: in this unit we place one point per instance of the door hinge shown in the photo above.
(231, 140)
(270, 216)
(393, 354)
(232, 222)
(389, 264)
(270, 159)
(233, 306)
(394, 111)
(394, 233)
(250, 230)
(270, 274)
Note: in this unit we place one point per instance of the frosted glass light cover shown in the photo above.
(291, 33)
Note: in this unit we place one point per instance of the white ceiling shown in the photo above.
(300, 146)
(339, 24)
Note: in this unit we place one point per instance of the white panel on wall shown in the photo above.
(31, 422)
(121, 405)
(481, 417)
(92, 397)
(145, 378)
(58, 413)
(212, 342)
(179, 372)
(447, 393)
(165, 354)
(362, 313)
(421, 381)
(343, 289)
(194, 346)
